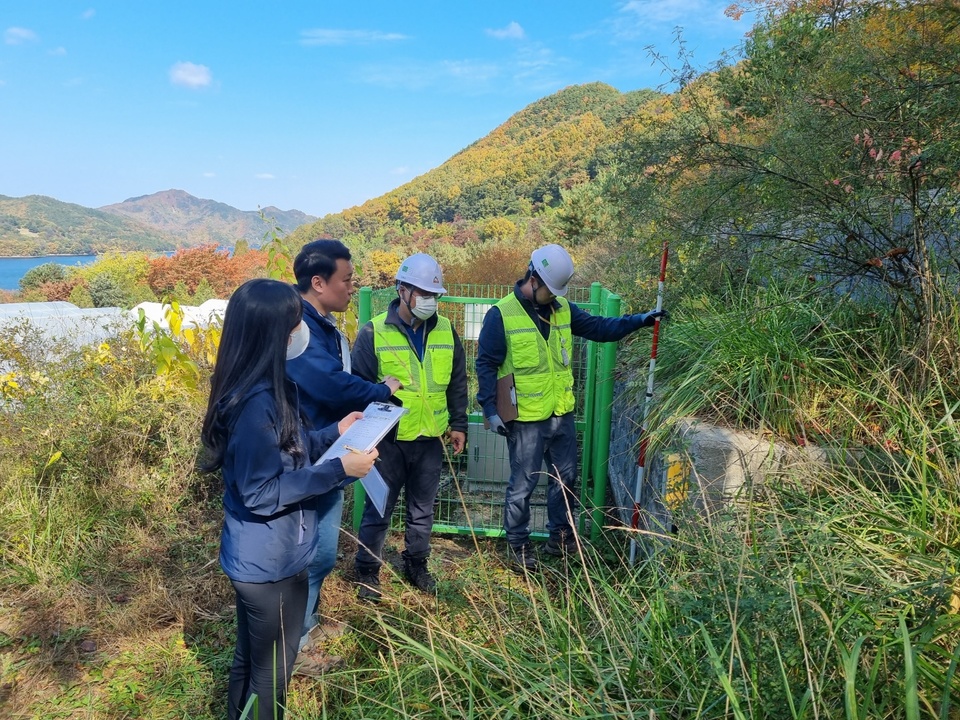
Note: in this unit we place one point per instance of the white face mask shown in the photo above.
(299, 339)
(425, 308)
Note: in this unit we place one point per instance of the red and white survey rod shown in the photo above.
(644, 435)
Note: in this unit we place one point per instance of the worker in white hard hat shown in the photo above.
(527, 338)
(421, 348)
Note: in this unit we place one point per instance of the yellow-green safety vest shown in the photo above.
(541, 368)
(424, 391)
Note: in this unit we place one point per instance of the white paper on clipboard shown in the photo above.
(364, 435)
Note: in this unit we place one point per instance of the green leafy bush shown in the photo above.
(37, 276)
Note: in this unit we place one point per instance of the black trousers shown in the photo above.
(414, 466)
(269, 622)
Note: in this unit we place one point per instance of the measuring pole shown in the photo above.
(644, 435)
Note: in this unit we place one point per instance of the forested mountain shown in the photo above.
(518, 169)
(195, 221)
(827, 152)
(39, 225)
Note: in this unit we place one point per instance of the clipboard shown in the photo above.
(377, 489)
(507, 398)
(365, 434)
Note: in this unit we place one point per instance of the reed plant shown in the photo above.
(105, 528)
(827, 592)
(818, 596)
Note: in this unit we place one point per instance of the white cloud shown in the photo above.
(18, 36)
(466, 75)
(328, 36)
(402, 170)
(88, 13)
(265, 176)
(513, 31)
(59, 51)
(675, 12)
(209, 174)
(190, 75)
(469, 70)
(539, 67)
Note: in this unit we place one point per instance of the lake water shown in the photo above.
(14, 268)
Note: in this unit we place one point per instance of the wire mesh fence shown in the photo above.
(473, 484)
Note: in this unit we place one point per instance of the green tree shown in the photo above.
(37, 276)
(105, 291)
(499, 228)
(126, 272)
(203, 292)
(830, 151)
(180, 293)
(81, 297)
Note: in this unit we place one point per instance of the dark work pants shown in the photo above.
(269, 619)
(414, 466)
(530, 443)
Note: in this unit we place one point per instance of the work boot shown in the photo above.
(328, 629)
(523, 558)
(561, 543)
(368, 585)
(417, 575)
(313, 663)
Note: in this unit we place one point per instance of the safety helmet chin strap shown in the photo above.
(413, 318)
(540, 284)
(400, 286)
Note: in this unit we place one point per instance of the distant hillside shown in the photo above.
(39, 225)
(553, 144)
(196, 221)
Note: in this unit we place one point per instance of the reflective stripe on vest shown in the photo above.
(424, 391)
(541, 368)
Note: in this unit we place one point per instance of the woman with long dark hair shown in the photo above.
(253, 432)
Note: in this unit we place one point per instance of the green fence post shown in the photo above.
(364, 311)
(608, 361)
(589, 413)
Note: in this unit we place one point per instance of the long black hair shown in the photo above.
(259, 318)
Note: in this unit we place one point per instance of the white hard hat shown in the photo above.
(422, 272)
(554, 266)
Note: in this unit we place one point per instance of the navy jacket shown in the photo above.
(270, 524)
(492, 343)
(366, 365)
(327, 393)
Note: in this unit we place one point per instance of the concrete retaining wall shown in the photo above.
(716, 464)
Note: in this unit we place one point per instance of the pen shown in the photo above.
(358, 451)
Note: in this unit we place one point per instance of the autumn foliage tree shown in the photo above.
(830, 151)
(500, 263)
(379, 268)
(190, 266)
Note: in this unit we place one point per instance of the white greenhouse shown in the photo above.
(63, 322)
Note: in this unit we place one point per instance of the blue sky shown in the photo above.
(315, 105)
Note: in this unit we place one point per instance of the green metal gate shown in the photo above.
(472, 486)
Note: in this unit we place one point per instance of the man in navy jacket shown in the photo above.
(328, 391)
